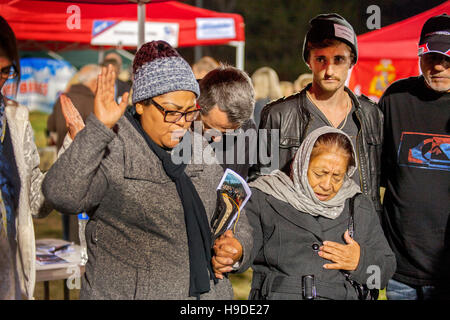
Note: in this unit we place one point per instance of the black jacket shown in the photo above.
(238, 150)
(291, 117)
(286, 244)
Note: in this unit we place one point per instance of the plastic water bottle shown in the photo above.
(82, 221)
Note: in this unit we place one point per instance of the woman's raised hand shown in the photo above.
(105, 107)
(74, 122)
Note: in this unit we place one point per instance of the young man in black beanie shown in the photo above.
(330, 50)
(416, 170)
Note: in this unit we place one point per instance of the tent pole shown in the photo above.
(198, 50)
(240, 53)
(141, 24)
(54, 55)
(101, 55)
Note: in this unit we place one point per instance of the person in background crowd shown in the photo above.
(416, 170)
(226, 106)
(149, 234)
(312, 225)
(203, 66)
(302, 81)
(330, 50)
(82, 94)
(287, 88)
(267, 88)
(120, 86)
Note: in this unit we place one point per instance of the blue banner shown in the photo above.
(42, 81)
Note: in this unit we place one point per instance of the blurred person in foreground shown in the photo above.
(21, 197)
(149, 234)
(330, 50)
(416, 170)
(315, 236)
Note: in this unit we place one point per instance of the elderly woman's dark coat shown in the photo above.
(286, 245)
(136, 235)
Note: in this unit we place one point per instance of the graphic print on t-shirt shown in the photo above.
(424, 150)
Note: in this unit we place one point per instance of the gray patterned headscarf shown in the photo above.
(298, 192)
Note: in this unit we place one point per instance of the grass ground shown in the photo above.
(51, 227)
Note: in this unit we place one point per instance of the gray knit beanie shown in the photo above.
(157, 69)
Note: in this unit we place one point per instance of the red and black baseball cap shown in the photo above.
(435, 36)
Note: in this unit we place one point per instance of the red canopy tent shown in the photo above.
(49, 24)
(389, 54)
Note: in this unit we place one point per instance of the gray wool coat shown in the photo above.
(286, 245)
(136, 235)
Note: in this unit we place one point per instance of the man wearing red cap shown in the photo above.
(416, 170)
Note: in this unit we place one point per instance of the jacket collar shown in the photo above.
(349, 92)
(316, 225)
(300, 219)
(353, 97)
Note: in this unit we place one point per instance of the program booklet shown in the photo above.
(46, 254)
(233, 193)
(44, 259)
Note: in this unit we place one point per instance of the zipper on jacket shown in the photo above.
(358, 137)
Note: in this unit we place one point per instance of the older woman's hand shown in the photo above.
(344, 256)
(74, 122)
(228, 251)
(105, 107)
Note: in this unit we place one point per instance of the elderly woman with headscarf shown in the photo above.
(316, 236)
(149, 233)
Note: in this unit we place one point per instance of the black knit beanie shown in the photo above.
(330, 26)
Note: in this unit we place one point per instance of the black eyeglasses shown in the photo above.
(9, 72)
(225, 132)
(175, 116)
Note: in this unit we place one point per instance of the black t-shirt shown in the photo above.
(416, 174)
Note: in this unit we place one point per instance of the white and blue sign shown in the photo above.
(42, 81)
(125, 33)
(215, 28)
(101, 25)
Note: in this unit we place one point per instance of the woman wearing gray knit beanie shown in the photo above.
(149, 233)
